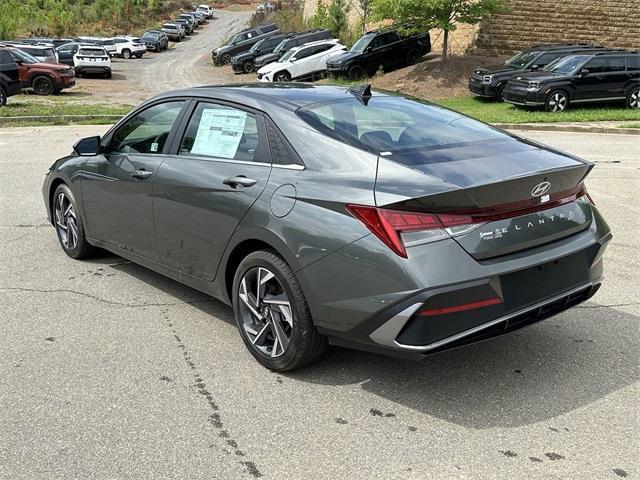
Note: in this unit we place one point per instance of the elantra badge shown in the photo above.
(540, 189)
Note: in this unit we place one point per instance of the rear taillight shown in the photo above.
(400, 229)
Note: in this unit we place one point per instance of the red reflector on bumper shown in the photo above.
(459, 308)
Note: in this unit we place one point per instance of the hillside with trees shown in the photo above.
(83, 17)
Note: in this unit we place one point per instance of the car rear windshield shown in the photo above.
(398, 125)
(92, 52)
(170, 26)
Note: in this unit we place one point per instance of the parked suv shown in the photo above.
(207, 10)
(241, 42)
(155, 40)
(244, 62)
(127, 47)
(92, 59)
(295, 41)
(386, 48)
(186, 24)
(173, 31)
(612, 75)
(9, 76)
(301, 63)
(490, 82)
(67, 51)
(46, 54)
(43, 78)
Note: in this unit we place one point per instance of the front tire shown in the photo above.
(248, 66)
(356, 72)
(633, 99)
(225, 59)
(282, 77)
(68, 224)
(126, 53)
(272, 314)
(413, 57)
(557, 101)
(42, 85)
(3, 97)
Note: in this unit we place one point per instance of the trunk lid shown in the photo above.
(519, 193)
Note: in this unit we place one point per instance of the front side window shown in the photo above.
(147, 131)
(218, 131)
(361, 44)
(522, 59)
(567, 65)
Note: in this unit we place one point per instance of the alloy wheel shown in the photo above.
(66, 223)
(634, 99)
(557, 102)
(265, 312)
(3, 97)
(247, 66)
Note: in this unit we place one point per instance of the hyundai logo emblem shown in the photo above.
(540, 189)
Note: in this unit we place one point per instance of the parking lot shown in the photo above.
(112, 371)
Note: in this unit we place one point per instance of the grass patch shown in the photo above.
(630, 125)
(500, 112)
(56, 107)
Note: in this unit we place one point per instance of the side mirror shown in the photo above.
(368, 50)
(584, 71)
(292, 59)
(87, 147)
(535, 67)
(19, 62)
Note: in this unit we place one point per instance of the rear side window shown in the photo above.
(606, 65)
(147, 131)
(633, 62)
(5, 57)
(218, 131)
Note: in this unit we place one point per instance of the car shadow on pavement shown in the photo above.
(532, 375)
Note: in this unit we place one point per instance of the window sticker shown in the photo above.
(219, 133)
(154, 147)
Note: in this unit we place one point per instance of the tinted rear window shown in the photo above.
(92, 52)
(397, 125)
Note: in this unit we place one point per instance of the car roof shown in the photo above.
(316, 42)
(262, 96)
(560, 46)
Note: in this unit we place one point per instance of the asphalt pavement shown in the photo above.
(109, 370)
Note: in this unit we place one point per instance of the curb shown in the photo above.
(568, 128)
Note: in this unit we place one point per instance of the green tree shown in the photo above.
(320, 18)
(444, 14)
(365, 10)
(338, 19)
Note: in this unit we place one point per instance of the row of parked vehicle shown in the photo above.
(559, 75)
(49, 65)
(279, 57)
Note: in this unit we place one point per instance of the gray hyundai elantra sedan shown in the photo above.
(336, 215)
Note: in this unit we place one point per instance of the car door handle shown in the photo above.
(141, 174)
(241, 181)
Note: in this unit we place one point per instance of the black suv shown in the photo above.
(612, 75)
(9, 77)
(241, 42)
(287, 44)
(155, 41)
(490, 82)
(244, 62)
(386, 48)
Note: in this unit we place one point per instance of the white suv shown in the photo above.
(92, 59)
(306, 61)
(127, 47)
(206, 9)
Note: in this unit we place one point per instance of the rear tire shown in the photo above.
(42, 85)
(413, 57)
(633, 99)
(68, 223)
(557, 101)
(3, 97)
(277, 310)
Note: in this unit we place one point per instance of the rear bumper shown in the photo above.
(93, 69)
(378, 307)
